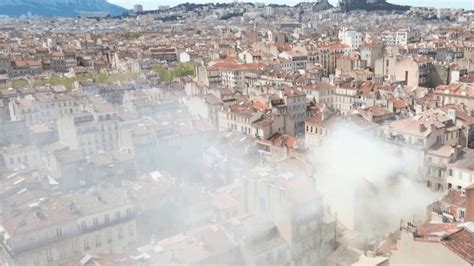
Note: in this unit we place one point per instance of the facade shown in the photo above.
(397, 38)
(344, 97)
(58, 62)
(243, 117)
(297, 215)
(456, 93)
(351, 37)
(321, 93)
(5, 64)
(297, 58)
(433, 137)
(293, 107)
(43, 108)
(18, 157)
(53, 231)
(235, 75)
(413, 71)
(460, 174)
(370, 53)
(89, 132)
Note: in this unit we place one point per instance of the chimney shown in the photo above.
(469, 204)
(422, 127)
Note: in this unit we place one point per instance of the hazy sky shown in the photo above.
(153, 4)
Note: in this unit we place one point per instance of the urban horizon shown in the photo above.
(236, 134)
(151, 5)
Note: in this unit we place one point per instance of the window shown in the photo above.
(49, 255)
(74, 247)
(98, 243)
(120, 233)
(106, 218)
(59, 232)
(86, 244)
(117, 215)
(129, 211)
(83, 225)
(461, 214)
(130, 229)
(280, 254)
(95, 221)
(109, 237)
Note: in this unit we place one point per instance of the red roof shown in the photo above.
(462, 243)
(259, 105)
(399, 103)
(235, 65)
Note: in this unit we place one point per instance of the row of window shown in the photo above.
(87, 244)
(95, 221)
(25, 159)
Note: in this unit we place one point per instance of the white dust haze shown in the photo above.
(348, 158)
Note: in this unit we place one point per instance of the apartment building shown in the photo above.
(398, 38)
(370, 53)
(26, 67)
(293, 106)
(452, 207)
(321, 93)
(43, 108)
(321, 125)
(293, 205)
(167, 54)
(90, 132)
(5, 64)
(58, 62)
(460, 173)
(247, 118)
(345, 96)
(351, 37)
(456, 93)
(21, 157)
(327, 56)
(209, 76)
(313, 132)
(413, 71)
(259, 241)
(297, 58)
(55, 230)
(433, 137)
(235, 75)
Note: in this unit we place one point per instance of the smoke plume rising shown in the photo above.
(369, 183)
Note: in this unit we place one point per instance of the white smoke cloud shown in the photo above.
(351, 158)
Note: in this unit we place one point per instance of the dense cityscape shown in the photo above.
(236, 134)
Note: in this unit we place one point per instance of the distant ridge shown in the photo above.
(371, 5)
(58, 8)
